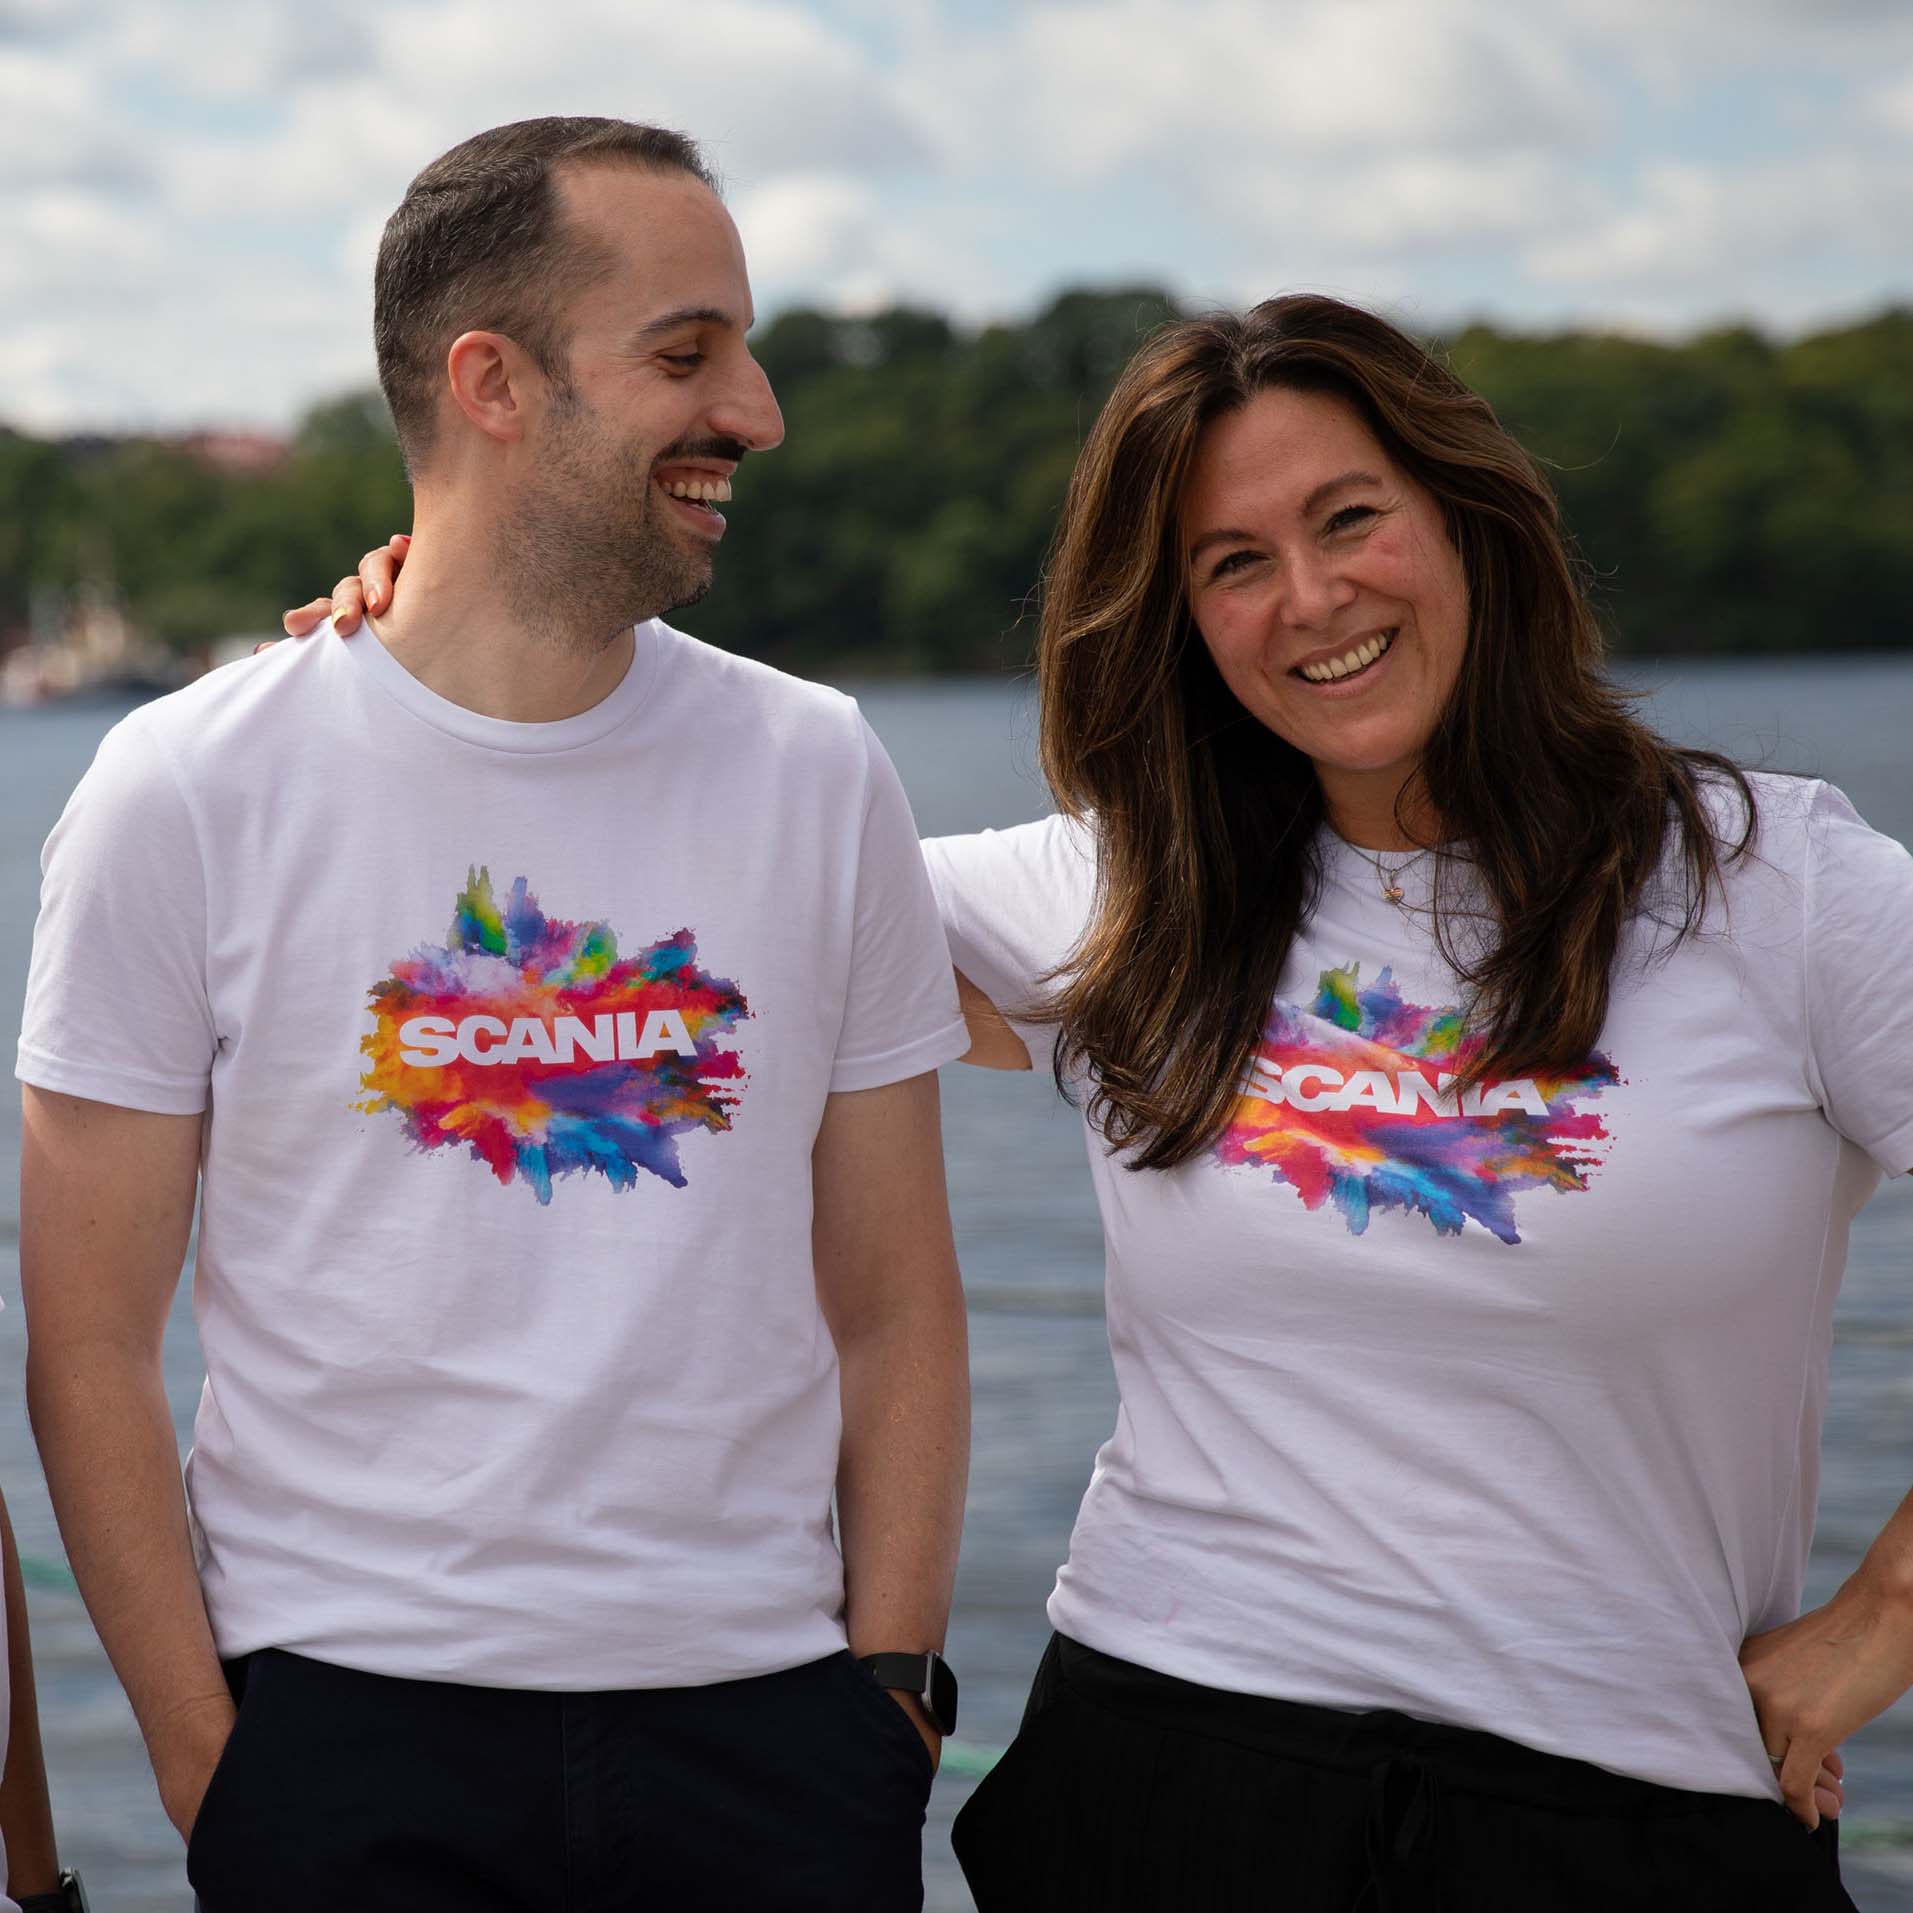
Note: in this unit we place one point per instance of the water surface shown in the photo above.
(1031, 1250)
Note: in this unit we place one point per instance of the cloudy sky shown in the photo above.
(193, 193)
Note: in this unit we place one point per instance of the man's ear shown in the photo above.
(493, 383)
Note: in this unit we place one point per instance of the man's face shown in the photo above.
(632, 454)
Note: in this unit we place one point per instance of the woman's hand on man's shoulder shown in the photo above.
(369, 590)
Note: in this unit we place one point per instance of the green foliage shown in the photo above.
(1731, 494)
(1728, 493)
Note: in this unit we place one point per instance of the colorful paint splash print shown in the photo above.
(1351, 1102)
(533, 1044)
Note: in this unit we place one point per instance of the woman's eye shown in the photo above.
(1348, 517)
(1233, 562)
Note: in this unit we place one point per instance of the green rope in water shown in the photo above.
(38, 1572)
(1875, 1833)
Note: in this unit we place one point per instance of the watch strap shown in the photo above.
(927, 1676)
(68, 1897)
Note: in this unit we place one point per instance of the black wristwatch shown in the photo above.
(68, 1897)
(925, 1675)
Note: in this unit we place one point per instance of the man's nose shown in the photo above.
(748, 411)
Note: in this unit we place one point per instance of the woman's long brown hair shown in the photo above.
(1555, 797)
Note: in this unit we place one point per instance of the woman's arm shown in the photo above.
(993, 1044)
(26, 1815)
(1823, 1677)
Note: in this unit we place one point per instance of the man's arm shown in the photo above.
(26, 1817)
(106, 1208)
(887, 1282)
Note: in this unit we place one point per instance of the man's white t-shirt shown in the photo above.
(1508, 1414)
(513, 1040)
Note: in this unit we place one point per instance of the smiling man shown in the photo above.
(544, 1009)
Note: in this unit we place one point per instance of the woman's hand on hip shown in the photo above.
(1821, 1678)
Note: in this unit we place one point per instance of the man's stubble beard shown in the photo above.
(586, 557)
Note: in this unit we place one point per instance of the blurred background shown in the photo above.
(1671, 240)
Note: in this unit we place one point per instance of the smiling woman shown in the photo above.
(1340, 542)
(1476, 1126)
(1341, 617)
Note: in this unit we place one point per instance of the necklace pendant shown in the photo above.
(1393, 892)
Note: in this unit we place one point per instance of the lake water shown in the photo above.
(1031, 1250)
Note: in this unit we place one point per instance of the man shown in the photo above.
(554, 1265)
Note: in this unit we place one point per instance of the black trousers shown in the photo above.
(1129, 1792)
(802, 1790)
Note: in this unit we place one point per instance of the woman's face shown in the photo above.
(1324, 585)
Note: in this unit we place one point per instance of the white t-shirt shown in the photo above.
(1509, 1419)
(515, 1040)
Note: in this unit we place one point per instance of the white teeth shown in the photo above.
(709, 491)
(1349, 662)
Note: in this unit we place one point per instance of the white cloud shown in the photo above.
(1891, 105)
(1400, 206)
(1695, 227)
(195, 191)
(55, 129)
(1093, 85)
(806, 226)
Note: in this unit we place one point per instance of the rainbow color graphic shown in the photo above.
(1351, 1102)
(533, 1044)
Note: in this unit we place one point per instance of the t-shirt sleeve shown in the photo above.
(1858, 897)
(1015, 904)
(116, 1006)
(900, 1013)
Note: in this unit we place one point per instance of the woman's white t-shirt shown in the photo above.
(1505, 1414)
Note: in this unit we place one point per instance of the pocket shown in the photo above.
(211, 1806)
(898, 1729)
(213, 1802)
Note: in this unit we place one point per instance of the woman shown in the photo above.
(1480, 1089)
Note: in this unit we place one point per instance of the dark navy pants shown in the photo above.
(1130, 1792)
(802, 1791)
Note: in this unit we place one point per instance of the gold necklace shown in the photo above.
(1390, 880)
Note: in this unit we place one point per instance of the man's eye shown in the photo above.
(688, 360)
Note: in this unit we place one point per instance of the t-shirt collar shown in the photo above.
(368, 652)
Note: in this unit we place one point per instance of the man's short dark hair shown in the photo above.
(478, 244)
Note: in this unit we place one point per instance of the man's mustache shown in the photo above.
(725, 448)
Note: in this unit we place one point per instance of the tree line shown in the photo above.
(1730, 492)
